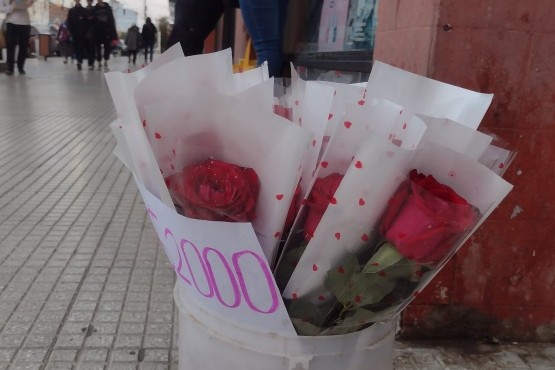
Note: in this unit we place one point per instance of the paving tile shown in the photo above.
(31, 355)
(91, 366)
(26, 366)
(99, 355)
(6, 355)
(63, 355)
(128, 341)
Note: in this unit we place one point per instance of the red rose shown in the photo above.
(424, 219)
(215, 191)
(320, 197)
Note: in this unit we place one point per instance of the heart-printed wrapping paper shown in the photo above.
(456, 136)
(426, 96)
(420, 96)
(252, 299)
(349, 223)
(140, 158)
(190, 128)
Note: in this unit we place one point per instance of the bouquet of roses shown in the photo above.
(389, 204)
(361, 199)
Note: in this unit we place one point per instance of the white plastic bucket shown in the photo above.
(208, 342)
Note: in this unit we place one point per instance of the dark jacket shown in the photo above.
(77, 21)
(104, 23)
(149, 34)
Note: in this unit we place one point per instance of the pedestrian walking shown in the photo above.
(90, 42)
(64, 41)
(18, 31)
(77, 25)
(105, 32)
(149, 38)
(133, 43)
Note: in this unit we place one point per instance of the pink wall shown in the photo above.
(502, 283)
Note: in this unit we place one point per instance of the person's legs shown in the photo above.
(79, 47)
(194, 20)
(265, 20)
(11, 43)
(134, 52)
(24, 32)
(107, 49)
(151, 51)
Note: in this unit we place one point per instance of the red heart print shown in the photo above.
(279, 196)
(294, 295)
(382, 273)
(314, 267)
(340, 269)
(361, 202)
(321, 298)
(358, 164)
(347, 124)
(361, 102)
(324, 164)
(333, 200)
(501, 165)
(364, 237)
(358, 298)
(337, 236)
(157, 135)
(330, 116)
(277, 235)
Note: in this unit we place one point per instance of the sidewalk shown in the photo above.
(83, 283)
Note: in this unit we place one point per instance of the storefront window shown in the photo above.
(331, 34)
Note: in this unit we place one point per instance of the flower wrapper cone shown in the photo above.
(456, 136)
(190, 128)
(213, 251)
(375, 282)
(498, 156)
(423, 95)
(344, 227)
(140, 158)
(376, 117)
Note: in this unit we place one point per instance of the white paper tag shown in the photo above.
(222, 267)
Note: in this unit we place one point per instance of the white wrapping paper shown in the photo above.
(426, 96)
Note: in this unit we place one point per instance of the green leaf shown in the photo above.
(305, 328)
(306, 310)
(386, 256)
(370, 289)
(338, 279)
(356, 321)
